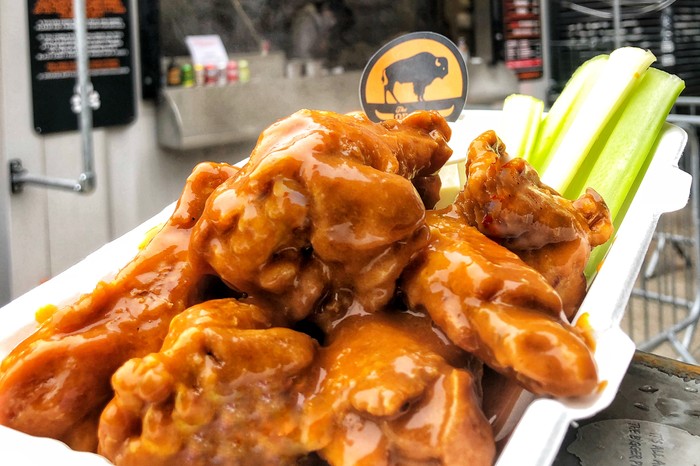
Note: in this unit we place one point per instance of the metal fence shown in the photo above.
(664, 309)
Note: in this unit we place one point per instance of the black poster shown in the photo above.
(53, 63)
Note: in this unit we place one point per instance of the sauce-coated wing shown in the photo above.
(56, 382)
(220, 391)
(507, 202)
(390, 389)
(492, 304)
(325, 205)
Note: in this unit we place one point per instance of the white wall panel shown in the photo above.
(75, 219)
(28, 235)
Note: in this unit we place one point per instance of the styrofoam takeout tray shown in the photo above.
(539, 424)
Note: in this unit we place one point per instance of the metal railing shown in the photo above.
(83, 102)
(664, 309)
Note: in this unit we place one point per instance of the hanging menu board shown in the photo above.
(523, 37)
(53, 63)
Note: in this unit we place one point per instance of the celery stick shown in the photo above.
(451, 182)
(616, 166)
(615, 159)
(563, 110)
(521, 119)
(621, 74)
(598, 254)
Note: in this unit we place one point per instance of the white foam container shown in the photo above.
(539, 424)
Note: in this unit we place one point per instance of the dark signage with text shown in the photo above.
(52, 48)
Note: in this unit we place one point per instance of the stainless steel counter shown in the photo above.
(198, 117)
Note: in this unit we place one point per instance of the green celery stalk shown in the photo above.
(520, 123)
(598, 253)
(618, 161)
(615, 159)
(620, 75)
(451, 182)
(565, 107)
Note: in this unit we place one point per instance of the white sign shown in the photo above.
(207, 50)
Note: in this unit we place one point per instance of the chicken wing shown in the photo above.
(390, 389)
(325, 206)
(220, 391)
(491, 303)
(231, 387)
(507, 202)
(56, 382)
(317, 229)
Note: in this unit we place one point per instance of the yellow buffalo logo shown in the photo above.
(419, 71)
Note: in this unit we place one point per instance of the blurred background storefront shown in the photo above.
(283, 55)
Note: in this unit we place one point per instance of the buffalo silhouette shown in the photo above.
(420, 70)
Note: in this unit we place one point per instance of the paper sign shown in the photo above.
(207, 50)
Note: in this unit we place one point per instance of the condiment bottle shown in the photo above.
(223, 78)
(211, 75)
(174, 74)
(187, 75)
(232, 72)
(243, 71)
(198, 74)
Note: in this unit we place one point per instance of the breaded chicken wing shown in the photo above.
(325, 206)
(490, 303)
(507, 202)
(220, 391)
(390, 389)
(56, 382)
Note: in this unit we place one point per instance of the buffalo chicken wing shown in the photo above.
(507, 202)
(220, 391)
(490, 303)
(56, 382)
(390, 389)
(324, 206)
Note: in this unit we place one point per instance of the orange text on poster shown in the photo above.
(64, 8)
